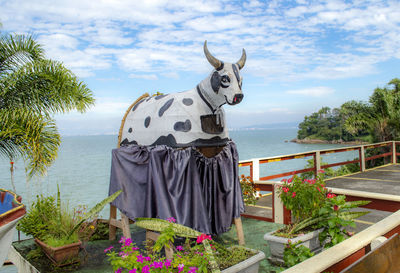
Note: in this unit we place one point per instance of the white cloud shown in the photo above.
(285, 43)
(106, 106)
(110, 35)
(154, 35)
(144, 76)
(171, 75)
(312, 92)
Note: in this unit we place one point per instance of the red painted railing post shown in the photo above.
(287, 216)
(315, 165)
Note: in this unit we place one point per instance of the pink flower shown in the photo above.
(132, 271)
(311, 181)
(290, 180)
(140, 258)
(321, 171)
(147, 259)
(192, 270)
(171, 220)
(285, 189)
(331, 195)
(146, 269)
(128, 242)
(157, 265)
(108, 249)
(335, 207)
(122, 239)
(123, 255)
(180, 267)
(203, 237)
(167, 263)
(179, 248)
(293, 194)
(119, 270)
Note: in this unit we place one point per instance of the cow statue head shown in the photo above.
(224, 85)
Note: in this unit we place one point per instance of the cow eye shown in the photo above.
(225, 79)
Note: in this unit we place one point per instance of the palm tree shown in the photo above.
(380, 117)
(32, 89)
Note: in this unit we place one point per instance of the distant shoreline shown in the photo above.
(320, 141)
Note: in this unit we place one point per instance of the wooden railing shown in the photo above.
(346, 253)
(254, 164)
(266, 183)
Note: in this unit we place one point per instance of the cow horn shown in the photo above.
(211, 59)
(242, 60)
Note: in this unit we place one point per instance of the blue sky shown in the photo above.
(301, 55)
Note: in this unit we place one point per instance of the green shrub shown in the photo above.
(56, 224)
(36, 221)
(295, 253)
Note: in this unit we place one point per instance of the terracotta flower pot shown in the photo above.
(61, 255)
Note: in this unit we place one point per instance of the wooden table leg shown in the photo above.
(152, 236)
(125, 226)
(112, 228)
(239, 230)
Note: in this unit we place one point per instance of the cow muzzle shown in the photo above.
(237, 98)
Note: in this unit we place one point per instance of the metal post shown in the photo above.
(278, 207)
(317, 162)
(255, 171)
(362, 158)
(394, 156)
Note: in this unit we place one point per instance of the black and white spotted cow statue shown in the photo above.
(191, 118)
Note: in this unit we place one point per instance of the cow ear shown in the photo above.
(215, 81)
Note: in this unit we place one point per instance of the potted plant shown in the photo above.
(250, 192)
(59, 230)
(319, 217)
(199, 253)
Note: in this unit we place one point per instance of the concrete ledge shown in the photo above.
(337, 253)
(267, 182)
(19, 261)
(365, 194)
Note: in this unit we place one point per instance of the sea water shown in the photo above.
(82, 169)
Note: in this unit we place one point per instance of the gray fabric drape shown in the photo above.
(161, 182)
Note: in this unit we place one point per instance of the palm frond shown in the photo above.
(32, 135)
(33, 88)
(16, 50)
(47, 87)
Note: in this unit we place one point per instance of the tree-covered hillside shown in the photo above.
(373, 121)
